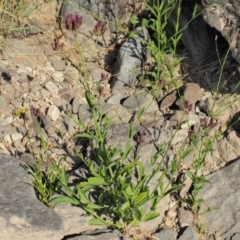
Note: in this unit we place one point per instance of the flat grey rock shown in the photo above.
(222, 196)
(166, 234)
(22, 216)
(189, 234)
(131, 57)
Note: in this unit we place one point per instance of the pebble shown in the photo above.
(52, 87)
(16, 136)
(53, 112)
(185, 217)
(58, 76)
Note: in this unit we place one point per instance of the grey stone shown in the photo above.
(61, 103)
(57, 76)
(77, 101)
(99, 234)
(222, 197)
(141, 100)
(166, 234)
(3, 102)
(191, 94)
(189, 234)
(168, 100)
(233, 138)
(150, 119)
(69, 122)
(57, 63)
(16, 137)
(177, 118)
(22, 216)
(52, 87)
(5, 120)
(119, 114)
(218, 15)
(185, 217)
(45, 93)
(47, 123)
(116, 98)
(53, 112)
(226, 150)
(131, 56)
(84, 114)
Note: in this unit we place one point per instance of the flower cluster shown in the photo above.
(205, 124)
(186, 105)
(99, 28)
(104, 77)
(73, 22)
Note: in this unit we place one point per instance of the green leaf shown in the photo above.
(98, 222)
(82, 195)
(86, 135)
(134, 19)
(142, 198)
(150, 216)
(94, 181)
(137, 214)
(93, 206)
(173, 188)
(64, 199)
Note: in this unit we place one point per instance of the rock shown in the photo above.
(3, 102)
(53, 112)
(218, 16)
(141, 100)
(61, 103)
(47, 123)
(187, 185)
(119, 114)
(180, 136)
(84, 114)
(77, 101)
(57, 63)
(22, 216)
(189, 234)
(150, 119)
(168, 100)
(58, 76)
(177, 118)
(96, 74)
(226, 150)
(5, 120)
(69, 122)
(71, 75)
(194, 153)
(16, 137)
(131, 56)
(220, 196)
(185, 217)
(116, 98)
(100, 234)
(233, 138)
(215, 108)
(52, 87)
(192, 94)
(166, 234)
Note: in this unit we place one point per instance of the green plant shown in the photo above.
(163, 43)
(46, 181)
(110, 193)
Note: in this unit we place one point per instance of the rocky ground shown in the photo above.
(40, 79)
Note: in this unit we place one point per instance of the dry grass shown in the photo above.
(14, 16)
